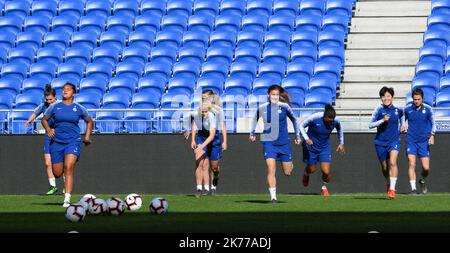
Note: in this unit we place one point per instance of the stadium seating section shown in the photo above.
(156, 54)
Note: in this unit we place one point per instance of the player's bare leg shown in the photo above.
(69, 164)
(205, 175)
(214, 173)
(51, 178)
(308, 170)
(425, 172)
(287, 168)
(199, 173)
(393, 170)
(271, 179)
(412, 173)
(326, 176)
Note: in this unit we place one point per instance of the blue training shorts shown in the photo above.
(280, 153)
(311, 157)
(59, 150)
(213, 151)
(47, 145)
(383, 151)
(419, 149)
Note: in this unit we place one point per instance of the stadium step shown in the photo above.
(385, 41)
(392, 8)
(370, 90)
(379, 74)
(395, 24)
(365, 103)
(376, 57)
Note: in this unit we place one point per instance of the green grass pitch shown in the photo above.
(359, 213)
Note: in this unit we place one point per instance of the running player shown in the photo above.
(65, 144)
(316, 144)
(275, 137)
(420, 136)
(50, 98)
(388, 120)
(203, 135)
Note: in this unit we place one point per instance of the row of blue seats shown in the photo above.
(23, 8)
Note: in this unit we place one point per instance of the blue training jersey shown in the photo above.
(275, 123)
(420, 123)
(66, 118)
(41, 109)
(319, 132)
(387, 132)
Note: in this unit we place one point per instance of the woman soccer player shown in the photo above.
(419, 138)
(275, 137)
(50, 98)
(65, 144)
(203, 135)
(316, 145)
(388, 119)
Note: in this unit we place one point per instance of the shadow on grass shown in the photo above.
(48, 204)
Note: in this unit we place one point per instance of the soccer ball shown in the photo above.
(115, 206)
(159, 206)
(86, 201)
(75, 213)
(133, 202)
(90, 196)
(98, 206)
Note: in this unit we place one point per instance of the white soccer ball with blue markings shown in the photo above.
(133, 202)
(159, 206)
(75, 213)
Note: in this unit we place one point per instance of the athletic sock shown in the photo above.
(273, 193)
(325, 185)
(199, 187)
(52, 182)
(67, 197)
(213, 187)
(413, 184)
(393, 181)
(206, 187)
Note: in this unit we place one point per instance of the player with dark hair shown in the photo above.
(50, 98)
(316, 144)
(419, 138)
(275, 136)
(388, 119)
(65, 144)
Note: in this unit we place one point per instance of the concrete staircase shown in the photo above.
(382, 50)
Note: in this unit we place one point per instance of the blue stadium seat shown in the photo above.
(92, 24)
(182, 85)
(223, 39)
(281, 23)
(238, 86)
(16, 70)
(234, 107)
(215, 70)
(232, 7)
(158, 70)
(126, 8)
(206, 7)
(339, 7)
(10, 24)
(105, 54)
(98, 8)
(169, 38)
(78, 55)
(277, 39)
(445, 84)
(174, 23)
(36, 24)
(34, 85)
(3, 56)
(436, 38)
(141, 39)
(201, 23)
(99, 70)
(113, 39)
(147, 22)
(260, 8)
(327, 69)
(163, 54)
(297, 101)
(111, 122)
(248, 54)
(59, 82)
(317, 100)
(123, 85)
(57, 40)
(19, 9)
(46, 9)
(186, 69)
(448, 54)
(312, 7)
(33, 40)
(21, 56)
(303, 39)
(84, 39)
(130, 70)
(195, 39)
(74, 8)
(209, 83)
(243, 70)
(331, 39)
(46, 71)
(299, 70)
(262, 84)
(228, 23)
(429, 68)
(220, 54)
(152, 85)
(24, 101)
(6, 103)
(447, 68)
(193, 54)
(93, 85)
(286, 7)
(438, 22)
(432, 53)
(273, 70)
(10, 85)
(7, 39)
(308, 23)
(335, 23)
(250, 38)
(254, 23)
(138, 121)
(277, 55)
(443, 100)
(152, 7)
(28, 101)
(66, 24)
(297, 85)
(89, 101)
(332, 54)
(440, 7)
(71, 71)
(137, 55)
(122, 24)
(179, 7)
(323, 85)
(429, 85)
(304, 54)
